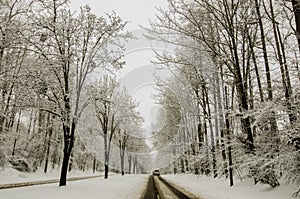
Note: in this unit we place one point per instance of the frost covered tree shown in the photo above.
(129, 126)
(245, 88)
(117, 116)
(106, 112)
(71, 48)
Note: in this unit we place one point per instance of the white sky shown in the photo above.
(136, 11)
(137, 74)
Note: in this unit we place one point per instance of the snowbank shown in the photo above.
(209, 188)
(10, 175)
(115, 187)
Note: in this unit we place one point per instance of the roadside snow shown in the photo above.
(10, 175)
(209, 188)
(132, 186)
(115, 187)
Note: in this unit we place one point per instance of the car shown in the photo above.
(156, 172)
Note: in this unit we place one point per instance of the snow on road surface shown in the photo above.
(209, 188)
(115, 187)
(132, 187)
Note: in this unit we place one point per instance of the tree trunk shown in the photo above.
(296, 9)
(216, 116)
(17, 136)
(175, 168)
(221, 116)
(55, 158)
(50, 129)
(106, 157)
(122, 146)
(29, 130)
(246, 122)
(68, 146)
(129, 163)
(40, 129)
(105, 171)
(122, 153)
(134, 165)
(207, 170)
(240, 81)
(228, 136)
(212, 137)
(261, 94)
(200, 134)
(216, 111)
(182, 165)
(2, 119)
(267, 68)
(265, 54)
(135, 170)
(229, 149)
(70, 163)
(94, 165)
(242, 95)
(6, 105)
(289, 91)
(122, 161)
(64, 168)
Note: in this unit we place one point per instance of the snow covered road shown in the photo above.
(133, 187)
(115, 187)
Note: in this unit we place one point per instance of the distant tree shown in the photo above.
(103, 97)
(129, 126)
(12, 57)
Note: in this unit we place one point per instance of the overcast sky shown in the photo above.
(137, 74)
(136, 11)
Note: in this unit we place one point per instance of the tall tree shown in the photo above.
(71, 48)
(103, 95)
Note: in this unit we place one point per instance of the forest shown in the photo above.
(60, 98)
(230, 109)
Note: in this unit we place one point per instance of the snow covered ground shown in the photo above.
(115, 187)
(132, 187)
(209, 188)
(9, 175)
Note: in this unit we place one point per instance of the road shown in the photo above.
(159, 188)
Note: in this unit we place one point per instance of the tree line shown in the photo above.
(58, 67)
(232, 105)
